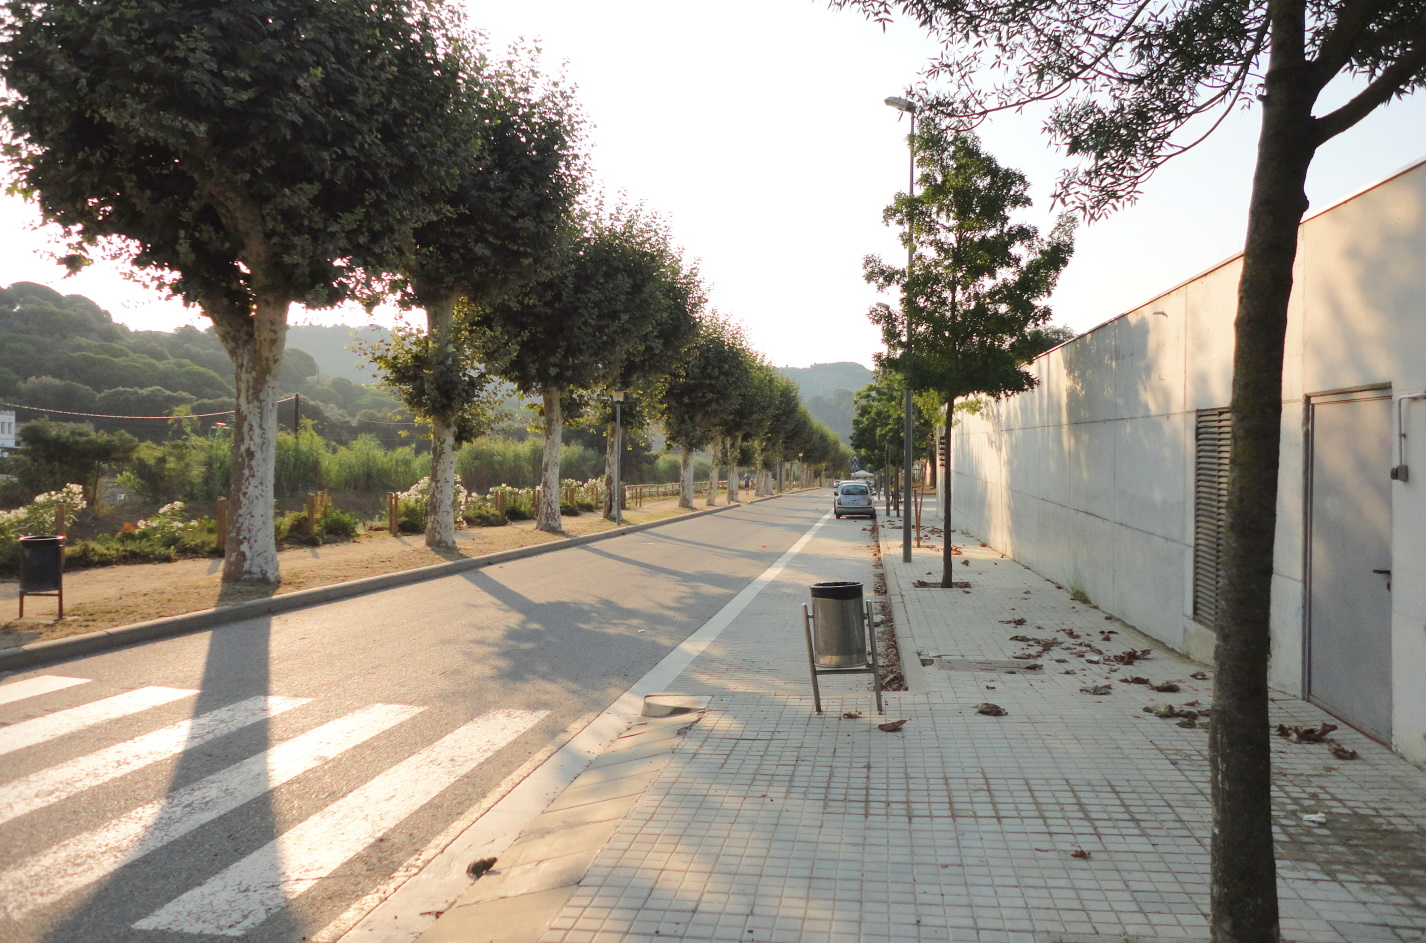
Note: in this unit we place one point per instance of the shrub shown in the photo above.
(338, 524)
(517, 513)
(481, 515)
(585, 506)
(569, 510)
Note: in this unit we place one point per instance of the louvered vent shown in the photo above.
(1210, 500)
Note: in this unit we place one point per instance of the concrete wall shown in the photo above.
(1089, 477)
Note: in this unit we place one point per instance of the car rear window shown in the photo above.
(854, 489)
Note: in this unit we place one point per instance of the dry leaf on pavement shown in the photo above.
(1079, 853)
(891, 726)
(852, 715)
(1098, 689)
(991, 710)
(1167, 687)
(1341, 752)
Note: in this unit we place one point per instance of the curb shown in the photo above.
(43, 653)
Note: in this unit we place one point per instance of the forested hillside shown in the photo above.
(827, 389)
(65, 353)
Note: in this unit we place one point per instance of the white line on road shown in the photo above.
(34, 687)
(84, 859)
(402, 914)
(27, 733)
(249, 891)
(85, 772)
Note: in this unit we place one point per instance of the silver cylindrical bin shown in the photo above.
(838, 625)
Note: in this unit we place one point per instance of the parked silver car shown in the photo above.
(852, 497)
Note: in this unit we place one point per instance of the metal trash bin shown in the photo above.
(839, 625)
(41, 569)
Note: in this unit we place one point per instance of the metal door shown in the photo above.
(1349, 559)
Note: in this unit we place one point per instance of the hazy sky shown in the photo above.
(758, 129)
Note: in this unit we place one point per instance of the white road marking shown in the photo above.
(56, 783)
(249, 891)
(34, 687)
(84, 859)
(27, 733)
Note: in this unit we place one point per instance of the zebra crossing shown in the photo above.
(242, 895)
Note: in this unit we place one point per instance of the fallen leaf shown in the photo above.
(991, 710)
(1300, 734)
(1341, 752)
(1015, 621)
(1069, 671)
(1108, 618)
(1199, 676)
(1315, 818)
(1136, 679)
(852, 715)
(1079, 853)
(1190, 703)
(1166, 687)
(480, 866)
(1098, 689)
(891, 726)
(1043, 849)
(964, 562)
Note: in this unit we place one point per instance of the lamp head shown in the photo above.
(901, 104)
(617, 396)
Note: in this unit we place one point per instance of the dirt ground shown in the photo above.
(106, 597)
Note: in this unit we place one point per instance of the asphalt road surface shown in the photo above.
(254, 781)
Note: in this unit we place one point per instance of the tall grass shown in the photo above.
(488, 462)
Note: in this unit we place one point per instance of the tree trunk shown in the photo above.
(685, 478)
(440, 513)
(947, 556)
(1243, 885)
(733, 482)
(611, 451)
(713, 474)
(549, 517)
(254, 340)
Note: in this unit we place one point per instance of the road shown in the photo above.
(254, 781)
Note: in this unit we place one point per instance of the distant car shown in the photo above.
(852, 498)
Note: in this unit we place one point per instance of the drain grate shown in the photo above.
(984, 664)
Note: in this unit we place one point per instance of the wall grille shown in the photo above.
(1210, 502)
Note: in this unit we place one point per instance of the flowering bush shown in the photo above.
(411, 504)
(168, 523)
(39, 516)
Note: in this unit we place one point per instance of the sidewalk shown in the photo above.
(1073, 817)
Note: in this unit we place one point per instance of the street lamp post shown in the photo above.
(618, 447)
(908, 423)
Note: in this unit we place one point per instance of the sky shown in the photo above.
(757, 127)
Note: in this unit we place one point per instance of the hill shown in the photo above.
(827, 390)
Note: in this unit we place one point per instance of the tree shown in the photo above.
(878, 425)
(578, 327)
(695, 398)
(244, 155)
(519, 172)
(1129, 81)
(54, 454)
(977, 286)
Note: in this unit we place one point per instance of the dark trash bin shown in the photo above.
(839, 625)
(41, 569)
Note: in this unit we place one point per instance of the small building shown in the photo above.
(8, 438)
(1110, 476)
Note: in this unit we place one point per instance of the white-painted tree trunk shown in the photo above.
(733, 482)
(685, 490)
(713, 474)
(255, 342)
(611, 450)
(549, 519)
(440, 514)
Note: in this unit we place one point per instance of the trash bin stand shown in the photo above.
(42, 569)
(873, 668)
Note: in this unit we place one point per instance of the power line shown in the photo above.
(70, 412)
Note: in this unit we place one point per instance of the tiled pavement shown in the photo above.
(1072, 817)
